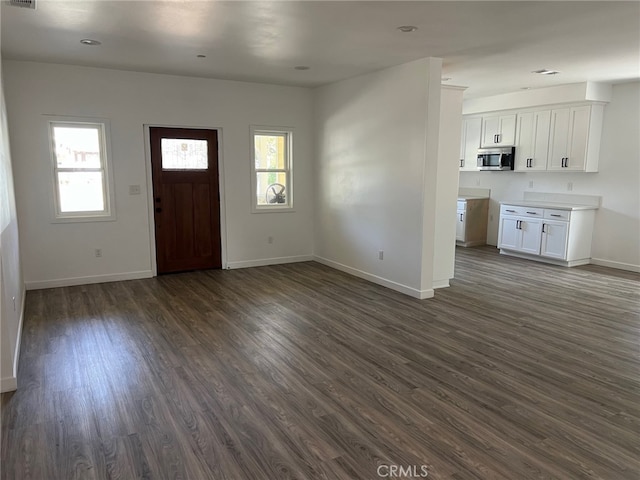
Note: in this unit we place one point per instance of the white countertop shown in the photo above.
(545, 204)
(470, 197)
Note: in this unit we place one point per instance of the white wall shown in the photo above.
(57, 254)
(447, 187)
(376, 153)
(11, 283)
(616, 239)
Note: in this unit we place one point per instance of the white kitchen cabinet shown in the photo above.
(471, 131)
(472, 219)
(519, 229)
(532, 140)
(554, 239)
(555, 235)
(574, 143)
(498, 130)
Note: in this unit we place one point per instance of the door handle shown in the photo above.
(462, 162)
(158, 210)
(461, 215)
(157, 199)
(543, 225)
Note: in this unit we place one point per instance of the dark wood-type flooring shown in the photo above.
(519, 370)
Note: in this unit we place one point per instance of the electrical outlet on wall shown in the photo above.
(269, 239)
(530, 183)
(569, 186)
(98, 252)
(381, 255)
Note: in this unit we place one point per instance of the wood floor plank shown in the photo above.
(519, 370)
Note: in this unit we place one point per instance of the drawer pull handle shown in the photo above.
(555, 215)
(512, 211)
(532, 213)
(543, 228)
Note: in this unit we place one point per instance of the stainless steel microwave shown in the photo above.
(496, 158)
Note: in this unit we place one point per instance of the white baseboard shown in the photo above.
(441, 283)
(70, 282)
(619, 265)
(269, 261)
(9, 384)
(398, 287)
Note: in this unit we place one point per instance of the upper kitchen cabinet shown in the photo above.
(498, 130)
(574, 142)
(471, 131)
(532, 140)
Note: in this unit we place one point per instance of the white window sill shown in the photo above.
(84, 219)
(272, 209)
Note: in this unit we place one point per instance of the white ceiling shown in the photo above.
(490, 47)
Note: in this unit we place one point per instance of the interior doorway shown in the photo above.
(186, 196)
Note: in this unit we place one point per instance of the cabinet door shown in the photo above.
(559, 139)
(578, 137)
(498, 130)
(569, 137)
(490, 128)
(540, 140)
(471, 129)
(524, 141)
(460, 224)
(507, 133)
(554, 239)
(509, 236)
(532, 140)
(531, 231)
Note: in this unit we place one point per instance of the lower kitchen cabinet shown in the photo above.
(554, 239)
(554, 235)
(521, 234)
(471, 225)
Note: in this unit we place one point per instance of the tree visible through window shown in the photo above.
(272, 169)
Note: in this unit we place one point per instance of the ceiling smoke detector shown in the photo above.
(23, 3)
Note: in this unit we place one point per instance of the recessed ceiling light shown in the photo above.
(201, 56)
(546, 71)
(407, 28)
(90, 41)
(301, 67)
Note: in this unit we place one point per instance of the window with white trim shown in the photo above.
(81, 184)
(271, 169)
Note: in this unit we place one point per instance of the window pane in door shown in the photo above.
(81, 191)
(271, 188)
(184, 154)
(270, 151)
(77, 147)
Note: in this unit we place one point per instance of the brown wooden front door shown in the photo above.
(186, 198)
